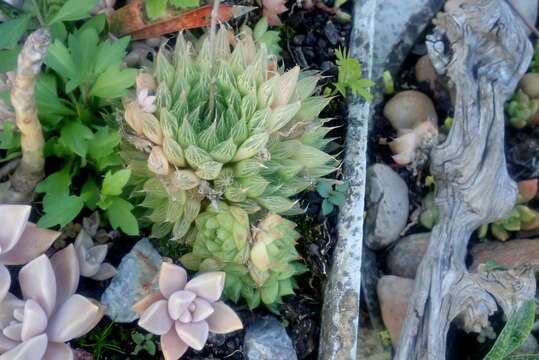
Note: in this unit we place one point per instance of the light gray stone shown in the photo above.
(267, 339)
(137, 277)
(404, 258)
(387, 206)
(529, 9)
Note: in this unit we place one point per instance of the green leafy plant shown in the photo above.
(157, 8)
(10, 141)
(333, 195)
(52, 14)
(515, 332)
(143, 343)
(98, 342)
(84, 77)
(349, 76)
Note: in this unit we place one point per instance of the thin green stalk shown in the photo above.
(38, 14)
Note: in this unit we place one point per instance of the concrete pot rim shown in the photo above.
(340, 312)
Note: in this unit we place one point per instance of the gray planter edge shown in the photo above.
(340, 312)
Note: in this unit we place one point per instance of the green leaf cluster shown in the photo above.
(52, 14)
(75, 96)
(515, 332)
(349, 76)
(143, 342)
(157, 8)
(333, 195)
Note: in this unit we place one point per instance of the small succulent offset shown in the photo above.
(522, 110)
(429, 215)
(260, 263)
(91, 258)
(412, 114)
(333, 195)
(523, 107)
(522, 217)
(253, 145)
(50, 313)
(20, 241)
(184, 312)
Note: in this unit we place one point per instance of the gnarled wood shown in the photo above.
(483, 48)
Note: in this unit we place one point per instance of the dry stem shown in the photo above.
(30, 170)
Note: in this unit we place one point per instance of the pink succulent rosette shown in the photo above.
(91, 257)
(271, 10)
(20, 241)
(184, 312)
(50, 314)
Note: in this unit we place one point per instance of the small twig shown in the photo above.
(213, 34)
(30, 170)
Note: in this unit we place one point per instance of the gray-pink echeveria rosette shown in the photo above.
(50, 313)
(184, 312)
(91, 257)
(20, 241)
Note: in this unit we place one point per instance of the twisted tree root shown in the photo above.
(482, 46)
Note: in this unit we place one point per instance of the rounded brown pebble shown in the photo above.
(409, 108)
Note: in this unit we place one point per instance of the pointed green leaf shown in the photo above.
(120, 216)
(74, 10)
(114, 183)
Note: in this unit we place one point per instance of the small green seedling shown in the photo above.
(389, 84)
(98, 342)
(333, 195)
(349, 76)
(143, 342)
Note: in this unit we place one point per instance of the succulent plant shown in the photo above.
(91, 258)
(184, 312)
(20, 241)
(253, 145)
(271, 10)
(260, 264)
(412, 114)
(413, 146)
(50, 313)
(522, 110)
(522, 217)
(429, 215)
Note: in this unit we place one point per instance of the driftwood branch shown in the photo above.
(30, 170)
(483, 48)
